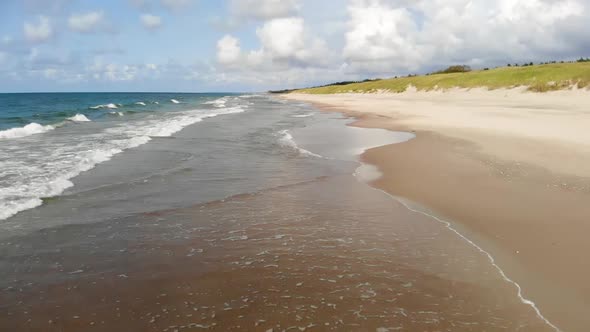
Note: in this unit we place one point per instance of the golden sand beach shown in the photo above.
(510, 169)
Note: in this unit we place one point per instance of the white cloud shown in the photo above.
(264, 9)
(99, 70)
(385, 36)
(86, 22)
(150, 21)
(40, 32)
(282, 37)
(228, 50)
(284, 43)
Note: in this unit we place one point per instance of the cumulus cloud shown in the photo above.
(305, 42)
(284, 42)
(264, 9)
(282, 37)
(40, 32)
(150, 21)
(385, 36)
(228, 50)
(85, 22)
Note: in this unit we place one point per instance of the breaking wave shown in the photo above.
(287, 140)
(28, 181)
(79, 118)
(111, 106)
(28, 130)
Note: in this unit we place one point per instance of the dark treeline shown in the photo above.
(453, 69)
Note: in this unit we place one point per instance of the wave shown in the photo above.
(79, 118)
(141, 103)
(165, 128)
(287, 140)
(116, 113)
(28, 130)
(50, 175)
(302, 115)
(30, 194)
(111, 106)
(174, 101)
(217, 102)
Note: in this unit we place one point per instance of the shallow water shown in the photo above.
(251, 221)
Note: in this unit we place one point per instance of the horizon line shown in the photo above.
(181, 92)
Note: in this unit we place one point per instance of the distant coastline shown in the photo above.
(543, 77)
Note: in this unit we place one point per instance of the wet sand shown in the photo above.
(329, 254)
(510, 169)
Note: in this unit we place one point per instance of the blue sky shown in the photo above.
(253, 45)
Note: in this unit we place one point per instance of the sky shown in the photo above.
(255, 45)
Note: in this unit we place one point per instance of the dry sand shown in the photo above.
(511, 169)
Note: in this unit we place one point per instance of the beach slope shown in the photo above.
(509, 168)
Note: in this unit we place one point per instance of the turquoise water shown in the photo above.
(46, 139)
(19, 110)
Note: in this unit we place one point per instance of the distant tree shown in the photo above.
(454, 69)
(509, 65)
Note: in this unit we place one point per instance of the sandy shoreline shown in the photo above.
(511, 169)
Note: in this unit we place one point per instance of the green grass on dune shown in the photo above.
(539, 78)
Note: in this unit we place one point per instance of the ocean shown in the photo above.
(173, 212)
(47, 139)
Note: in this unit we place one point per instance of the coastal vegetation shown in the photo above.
(542, 77)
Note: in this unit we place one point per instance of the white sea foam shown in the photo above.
(111, 106)
(12, 207)
(167, 127)
(46, 172)
(287, 140)
(217, 102)
(303, 115)
(79, 118)
(174, 101)
(116, 113)
(28, 130)
(141, 103)
(47, 180)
